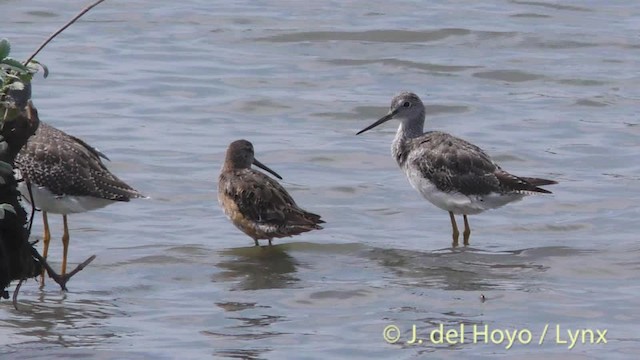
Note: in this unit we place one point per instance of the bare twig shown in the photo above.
(60, 279)
(15, 294)
(75, 18)
(79, 267)
(33, 207)
(26, 179)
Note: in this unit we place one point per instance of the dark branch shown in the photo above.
(15, 295)
(60, 279)
(52, 36)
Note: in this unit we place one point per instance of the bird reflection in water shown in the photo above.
(268, 267)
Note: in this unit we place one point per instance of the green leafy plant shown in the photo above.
(15, 77)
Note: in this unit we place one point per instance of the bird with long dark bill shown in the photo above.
(256, 203)
(449, 172)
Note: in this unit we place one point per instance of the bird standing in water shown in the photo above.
(257, 204)
(66, 176)
(451, 173)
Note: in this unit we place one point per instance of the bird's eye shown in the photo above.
(406, 104)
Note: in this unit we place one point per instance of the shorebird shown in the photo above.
(449, 172)
(257, 204)
(66, 176)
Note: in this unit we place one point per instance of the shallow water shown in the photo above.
(162, 87)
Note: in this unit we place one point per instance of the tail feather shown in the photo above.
(538, 181)
(539, 190)
(314, 218)
(304, 220)
(300, 223)
(111, 187)
(518, 183)
(535, 182)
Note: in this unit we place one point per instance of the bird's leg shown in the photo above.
(456, 233)
(256, 241)
(270, 244)
(45, 241)
(65, 245)
(467, 230)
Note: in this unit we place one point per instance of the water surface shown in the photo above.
(162, 88)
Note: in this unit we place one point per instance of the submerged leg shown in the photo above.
(45, 242)
(65, 245)
(456, 233)
(467, 230)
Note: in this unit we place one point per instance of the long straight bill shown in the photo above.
(265, 168)
(384, 119)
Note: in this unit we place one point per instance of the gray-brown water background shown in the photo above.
(162, 87)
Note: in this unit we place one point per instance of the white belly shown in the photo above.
(60, 204)
(456, 202)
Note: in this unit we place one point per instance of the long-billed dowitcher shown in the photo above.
(66, 176)
(257, 204)
(451, 173)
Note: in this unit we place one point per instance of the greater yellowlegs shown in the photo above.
(257, 204)
(451, 173)
(66, 176)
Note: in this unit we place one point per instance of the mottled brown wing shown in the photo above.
(455, 165)
(263, 200)
(68, 166)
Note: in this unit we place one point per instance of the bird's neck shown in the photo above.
(399, 147)
(229, 166)
(410, 130)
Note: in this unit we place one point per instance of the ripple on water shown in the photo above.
(405, 64)
(508, 75)
(552, 6)
(590, 103)
(530, 15)
(540, 84)
(388, 36)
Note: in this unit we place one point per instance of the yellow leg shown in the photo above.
(456, 233)
(467, 230)
(65, 244)
(45, 242)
